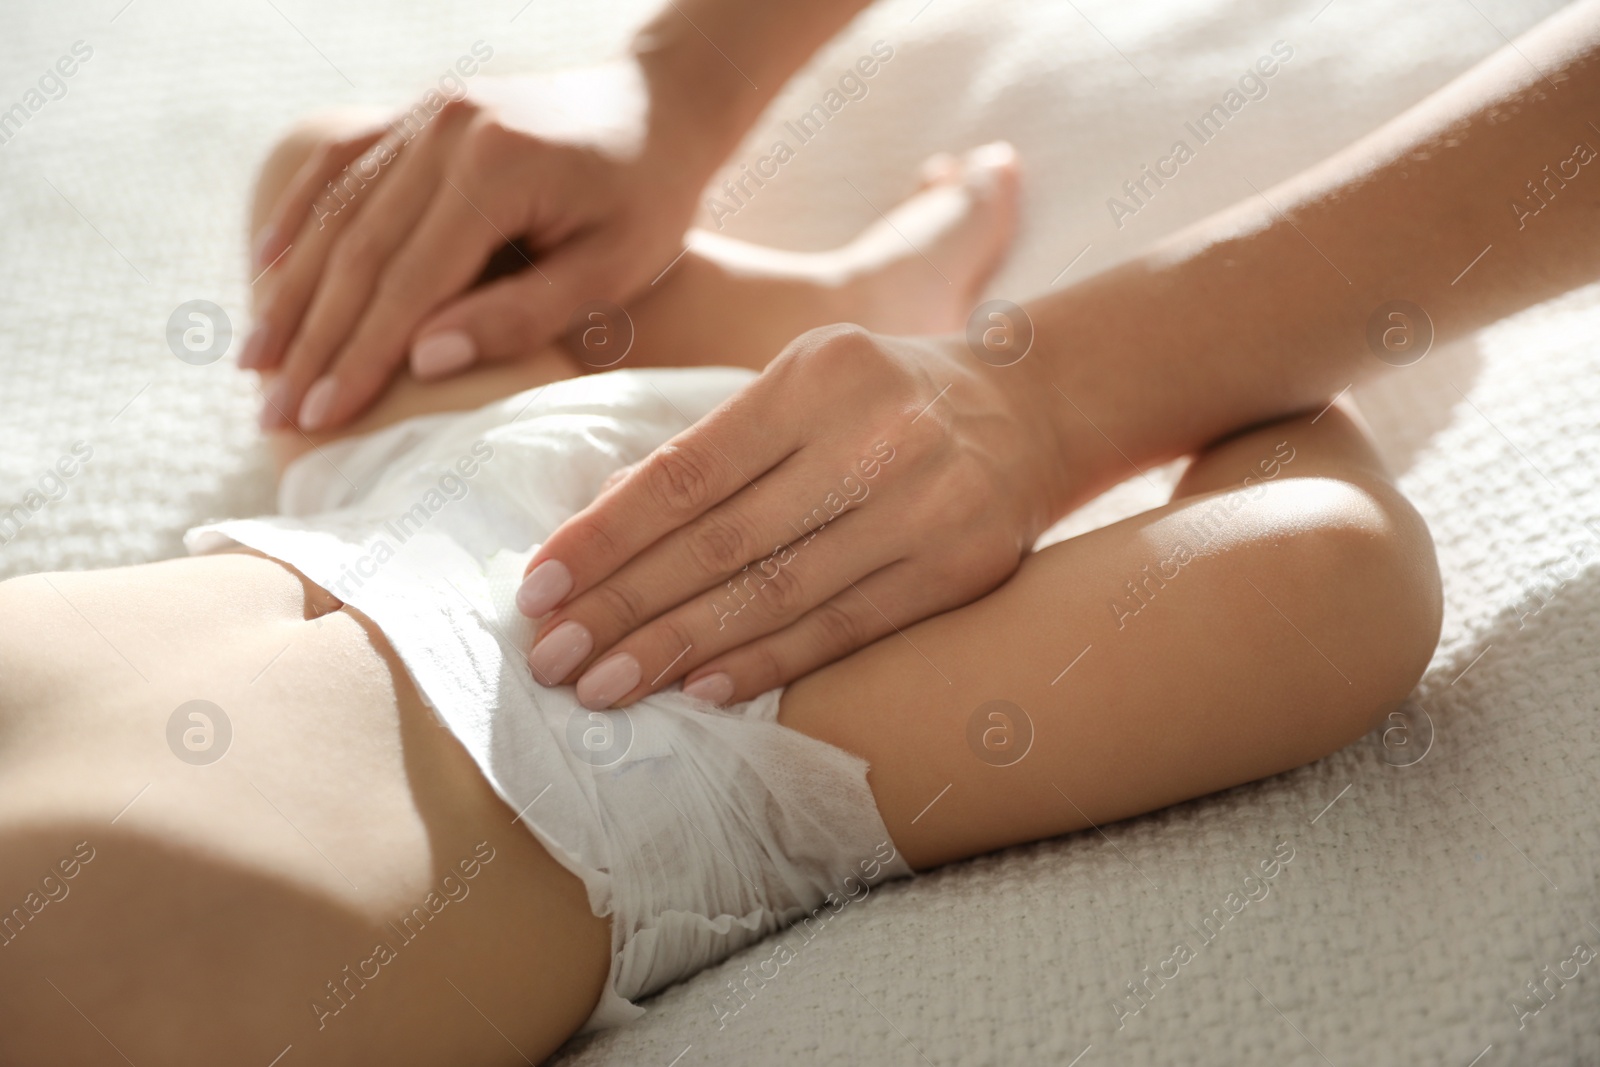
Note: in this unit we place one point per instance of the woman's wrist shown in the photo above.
(1160, 356)
(1127, 372)
(712, 67)
(1353, 266)
(1050, 479)
(698, 112)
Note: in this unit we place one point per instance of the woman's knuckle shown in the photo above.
(619, 602)
(846, 335)
(324, 155)
(846, 346)
(839, 630)
(452, 111)
(455, 106)
(824, 350)
(490, 143)
(592, 538)
(674, 638)
(720, 544)
(680, 479)
(352, 143)
(783, 592)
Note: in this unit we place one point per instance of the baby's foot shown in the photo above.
(921, 268)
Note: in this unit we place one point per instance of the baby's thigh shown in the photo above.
(305, 859)
(1216, 640)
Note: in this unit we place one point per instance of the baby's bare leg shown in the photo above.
(1261, 620)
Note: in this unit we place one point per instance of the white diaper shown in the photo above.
(697, 830)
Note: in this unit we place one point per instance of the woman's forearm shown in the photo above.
(1479, 201)
(713, 65)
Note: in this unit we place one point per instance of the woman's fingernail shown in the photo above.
(319, 399)
(544, 588)
(608, 681)
(441, 354)
(562, 649)
(716, 688)
(254, 345)
(273, 410)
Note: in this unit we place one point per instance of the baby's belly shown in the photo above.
(259, 778)
(202, 691)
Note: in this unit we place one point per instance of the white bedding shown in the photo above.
(1414, 909)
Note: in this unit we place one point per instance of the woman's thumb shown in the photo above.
(517, 315)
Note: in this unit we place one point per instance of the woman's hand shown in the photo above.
(861, 484)
(374, 246)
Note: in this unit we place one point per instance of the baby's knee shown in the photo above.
(1364, 565)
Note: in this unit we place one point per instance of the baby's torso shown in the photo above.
(195, 678)
(230, 750)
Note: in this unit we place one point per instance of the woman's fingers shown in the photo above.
(644, 565)
(867, 609)
(673, 486)
(441, 257)
(759, 600)
(361, 257)
(291, 279)
(349, 344)
(308, 183)
(511, 317)
(727, 577)
(874, 607)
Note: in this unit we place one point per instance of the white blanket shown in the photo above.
(1414, 909)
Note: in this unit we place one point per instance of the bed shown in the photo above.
(1438, 871)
